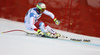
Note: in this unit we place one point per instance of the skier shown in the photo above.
(32, 22)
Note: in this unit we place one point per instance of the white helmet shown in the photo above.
(41, 6)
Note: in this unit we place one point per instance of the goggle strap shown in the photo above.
(39, 7)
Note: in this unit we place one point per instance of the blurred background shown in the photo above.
(76, 16)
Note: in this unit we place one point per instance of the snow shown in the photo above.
(17, 43)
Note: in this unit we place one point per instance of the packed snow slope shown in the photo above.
(17, 43)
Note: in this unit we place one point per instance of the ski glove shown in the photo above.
(40, 32)
(57, 22)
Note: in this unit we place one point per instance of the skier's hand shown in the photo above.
(40, 32)
(57, 22)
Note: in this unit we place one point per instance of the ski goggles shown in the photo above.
(42, 9)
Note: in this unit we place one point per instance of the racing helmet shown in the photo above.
(41, 6)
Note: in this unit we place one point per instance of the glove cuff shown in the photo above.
(35, 29)
(55, 19)
(38, 30)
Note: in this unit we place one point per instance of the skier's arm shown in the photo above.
(49, 14)
(32, 22)
(57, 22)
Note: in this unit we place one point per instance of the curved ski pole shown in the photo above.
(14, 30)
